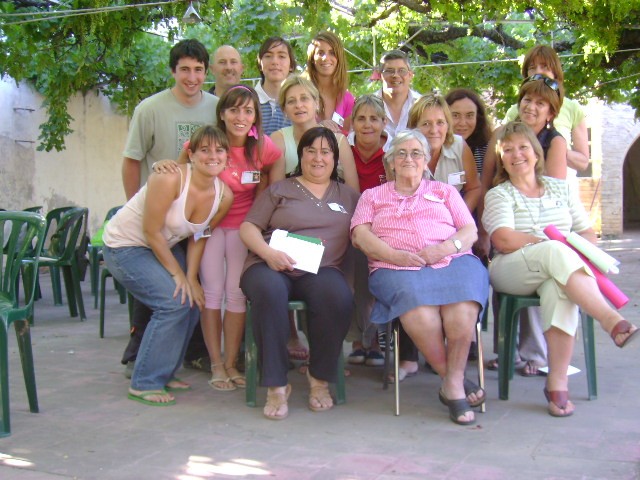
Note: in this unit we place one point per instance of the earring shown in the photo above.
(548, 125)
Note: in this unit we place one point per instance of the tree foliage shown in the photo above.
(123, 52)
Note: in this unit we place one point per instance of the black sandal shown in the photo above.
(456, 409)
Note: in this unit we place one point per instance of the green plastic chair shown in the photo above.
(251, 358)
(53, 221)
(22, 246)
(125, 297)
(508, 320)
(64, 251)
(95, 255)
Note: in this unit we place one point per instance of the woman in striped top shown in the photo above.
(417, 234)
(517, 210)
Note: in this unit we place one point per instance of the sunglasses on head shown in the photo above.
(549, 82)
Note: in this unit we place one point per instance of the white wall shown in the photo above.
(86, 174)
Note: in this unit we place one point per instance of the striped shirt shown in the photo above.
(560, 205)
(272, 117)
(428, 217)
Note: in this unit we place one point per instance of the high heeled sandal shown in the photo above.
(622, 327)
(560, 399)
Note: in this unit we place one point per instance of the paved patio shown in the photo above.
(88, 429)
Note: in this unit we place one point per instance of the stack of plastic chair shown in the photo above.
(22, 242)
(65, 248)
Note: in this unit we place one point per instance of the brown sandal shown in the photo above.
(623, 327)
(276, 401)
(560, 399)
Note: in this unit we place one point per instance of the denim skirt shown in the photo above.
(399, 291)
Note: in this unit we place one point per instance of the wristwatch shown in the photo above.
(457, 243)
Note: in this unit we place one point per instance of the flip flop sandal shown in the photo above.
(215, 381)
(180, 388)
(142, 397)
(277, 400)
(238, 380)
(624, 326)
(492, 365)
(530, 369)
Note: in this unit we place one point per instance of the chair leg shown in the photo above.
(251, 361)
(23, 334)
(387, 357)
(94, 271)
(479, 328)
(341, 395)
(68, 285)
(103, 284)
(130, 308)
(5, 422)
(589, 342)
(396, 363)
(507, 330)
(77, 289)
(54, 273)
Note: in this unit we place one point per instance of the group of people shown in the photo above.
(398, 175)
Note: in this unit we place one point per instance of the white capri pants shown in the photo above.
(540, 268)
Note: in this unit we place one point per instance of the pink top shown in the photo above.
(428, 217)
(345, 106)
(244, 193)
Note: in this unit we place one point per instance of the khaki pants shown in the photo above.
(541, 269)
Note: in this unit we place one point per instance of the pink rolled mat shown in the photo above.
(606, 286)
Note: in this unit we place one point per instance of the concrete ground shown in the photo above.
(88, 429)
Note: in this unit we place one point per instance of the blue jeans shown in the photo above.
(167, 335)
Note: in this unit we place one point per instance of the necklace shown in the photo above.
(535, 222)
(307, 193)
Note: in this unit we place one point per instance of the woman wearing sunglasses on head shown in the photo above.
(570, 121)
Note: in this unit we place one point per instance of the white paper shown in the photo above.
(602, 260)
(307, 255)
(570, 370)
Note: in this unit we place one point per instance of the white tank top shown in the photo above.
(125, 228)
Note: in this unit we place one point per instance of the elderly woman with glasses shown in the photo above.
(417, 234)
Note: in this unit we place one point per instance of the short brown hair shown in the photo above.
(546, 54)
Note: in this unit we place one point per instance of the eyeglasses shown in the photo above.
(549, 82)
(390, 72)
(414, 154)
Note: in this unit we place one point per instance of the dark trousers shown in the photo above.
(329, 306)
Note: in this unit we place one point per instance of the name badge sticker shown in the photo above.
(339, 119)
(433, 198)
(552, 203)
(457, 178)
(250, 176)
(336, 207)
(206, 233)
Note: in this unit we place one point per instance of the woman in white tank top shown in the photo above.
(141, 252)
